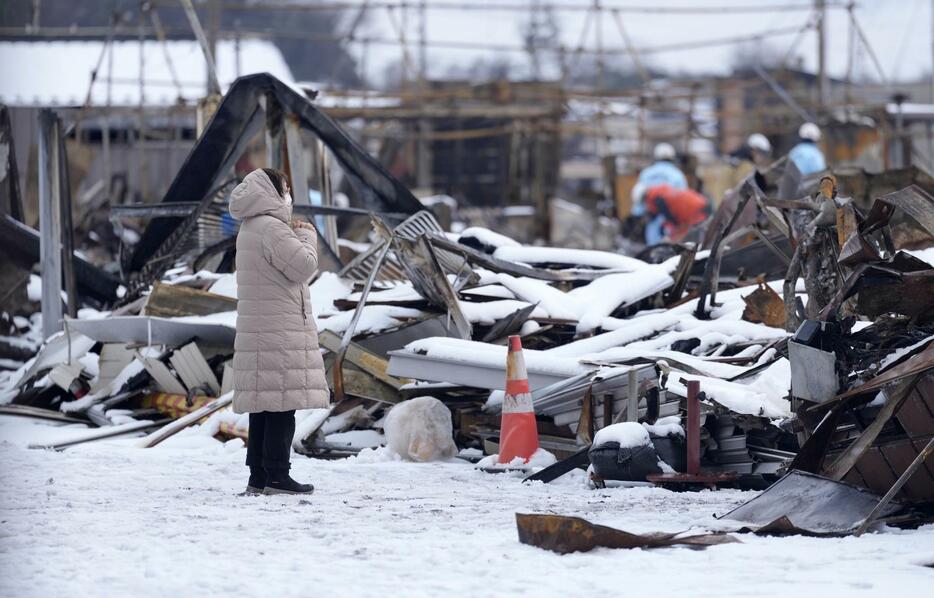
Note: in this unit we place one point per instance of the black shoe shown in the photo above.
(284, 484)
(257, 481)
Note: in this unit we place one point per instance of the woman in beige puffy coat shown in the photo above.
(277, 365)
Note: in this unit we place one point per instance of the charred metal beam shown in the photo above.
(184, 208)
(11, 201)
(21, 244)
(374, 185)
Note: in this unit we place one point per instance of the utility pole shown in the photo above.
(214, 86)
(214, 24)
(424, 179)
(823, 84)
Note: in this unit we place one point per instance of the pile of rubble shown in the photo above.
(788, 336)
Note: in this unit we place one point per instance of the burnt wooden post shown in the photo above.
(275, 131)
(68, 242)
(712, 267)
(693, 432)
(50, 223)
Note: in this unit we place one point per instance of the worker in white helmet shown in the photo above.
(760, 148)
(754, 153)
(661, 172)
(807, 156)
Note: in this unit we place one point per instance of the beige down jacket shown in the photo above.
(277, 365)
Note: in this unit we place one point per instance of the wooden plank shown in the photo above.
(172, 301)
(909, 471)
(925, 388)
(876, 471)
(920, 486)
(854, 477)
(919, 446)
(182, 423)
(361, 384)
(370, 363)
(173, 406)
(853, 453)
(914, 415)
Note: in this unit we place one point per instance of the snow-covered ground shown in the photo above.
(109, 520)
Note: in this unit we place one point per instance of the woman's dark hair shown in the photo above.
(278, 179)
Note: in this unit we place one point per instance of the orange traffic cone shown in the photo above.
(518, 435)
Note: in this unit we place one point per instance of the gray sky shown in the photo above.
(899, 32)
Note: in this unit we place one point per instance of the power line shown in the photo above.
(57, 33)
(519, 7)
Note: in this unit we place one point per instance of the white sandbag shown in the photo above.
(420, 429)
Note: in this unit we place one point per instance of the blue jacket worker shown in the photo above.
(807, 156)
(661, 172)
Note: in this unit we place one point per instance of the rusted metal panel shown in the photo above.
(810, 504)
(573, 534)
(875, 470)
(907, 293)
(764, 305)
(913, 200)
(899, 455)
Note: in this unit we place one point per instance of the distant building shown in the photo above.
(489, 144)
(149, 123)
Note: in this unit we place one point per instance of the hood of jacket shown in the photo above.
(256, 196)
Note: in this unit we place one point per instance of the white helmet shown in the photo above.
(809, 131)
(759, 142)
(664, 151)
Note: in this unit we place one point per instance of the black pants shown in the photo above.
(269, 444)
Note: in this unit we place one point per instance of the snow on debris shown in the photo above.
(926, 255)
(739, 398)
(587, 258)
(226, 285)
(490, 290)
(589, 305)
(603, 296)
(328, 288)
(539, 460)
(401, 291)
(426, 520)
(489, 312)
(374, 318)
(34, 288)
(356, 439)
(494, 356)
(486, 237)
(666, 426)
(626, 434)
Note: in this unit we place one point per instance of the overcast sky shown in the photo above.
(899, 31)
